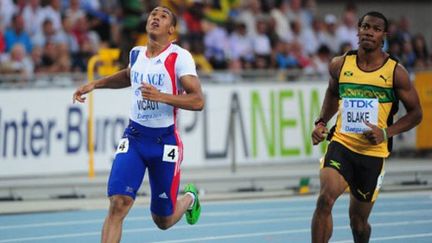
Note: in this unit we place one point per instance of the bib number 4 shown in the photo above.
(170, 153)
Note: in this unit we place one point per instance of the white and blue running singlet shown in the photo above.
(151, 140)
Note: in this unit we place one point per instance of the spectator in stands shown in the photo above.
(67, 35)
(16, 34)
(403, 32)
(392, 31)
(17, 62)
(131, 11)
(86, 36)
(249, 12)
(331, 39)
(421, 51)
(197, 50)
(34, 16)
(105, 26)
(88, 42)
(118, 23)
(408, 56)
(64, 62)
(395, 49)
(279, 15)
(241, 48)
(36, 57)
(193, 16)
(297, 12)
(48, 34)
(305, 37)
(319, 31)
(2, 40)
(216, 44)
(74, 12)
(261, 44)
(319, 63)
(303, 59)
(284, 57)
(55, 58)
(53, 12)
(92, 4)
(218, 11)
(19, 5)
(7, 10)
(347, 31)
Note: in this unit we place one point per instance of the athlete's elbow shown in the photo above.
(418, 116)
(199, 104)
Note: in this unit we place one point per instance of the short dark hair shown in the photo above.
(377, 15)
(173, 16)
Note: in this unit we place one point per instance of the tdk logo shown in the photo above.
(361, 103)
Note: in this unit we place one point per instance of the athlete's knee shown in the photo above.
(162, 223)
(359, 223)
(325, 203)
(119, 206)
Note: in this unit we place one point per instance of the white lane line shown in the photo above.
(212, 225)
(50, 237)
(285, 209)
(140, 230)
(395, 237)
(64, 223)
(402, 237)
(284, 232)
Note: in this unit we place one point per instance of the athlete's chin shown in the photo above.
(367, 47)
(153, 35)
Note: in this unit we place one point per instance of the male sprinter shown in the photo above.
(163, 78)
(366, 86)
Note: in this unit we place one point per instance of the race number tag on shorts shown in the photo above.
(123, 146)
(170, 153)
(380, 180)
(355, 111)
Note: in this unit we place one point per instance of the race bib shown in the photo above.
(380, 180)
(123, 146)
(355, 111)
(170, 153)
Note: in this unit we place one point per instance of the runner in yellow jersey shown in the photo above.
(364, 90)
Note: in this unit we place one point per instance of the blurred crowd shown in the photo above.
(59, 36)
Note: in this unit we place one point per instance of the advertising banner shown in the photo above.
(42, 132)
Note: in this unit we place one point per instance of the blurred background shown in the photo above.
(264, 70)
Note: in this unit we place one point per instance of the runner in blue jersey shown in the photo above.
(163, 78)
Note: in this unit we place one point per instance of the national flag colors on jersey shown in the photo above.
(163, 72)
(365, 95)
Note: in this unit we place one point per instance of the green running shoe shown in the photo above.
(192, 215)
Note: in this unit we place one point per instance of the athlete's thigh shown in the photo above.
(368, 177)
(127, 171)
(164, 175)
(336, 171)
(332, 183)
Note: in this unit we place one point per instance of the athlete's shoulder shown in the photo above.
(394, 58)
(350, 53)
(139, 48)
(180, 50)
(336, 63)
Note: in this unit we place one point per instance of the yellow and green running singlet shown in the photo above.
(364, 95)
